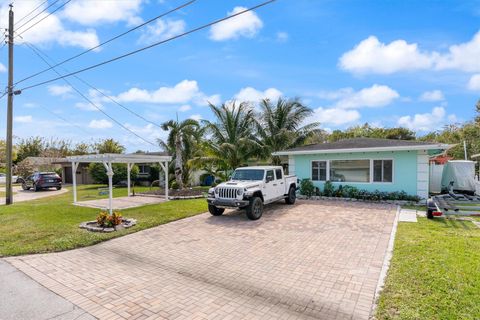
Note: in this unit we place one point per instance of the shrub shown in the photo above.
(109, 221)
(174, 185)
(318, 192)
(99, 174)
(307, 188)
(328, 189)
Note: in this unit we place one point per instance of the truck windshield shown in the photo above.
(248, 174)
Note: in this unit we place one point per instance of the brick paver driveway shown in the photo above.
(317, 260)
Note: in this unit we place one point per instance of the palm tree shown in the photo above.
(231, 139)
(280, 125)
(181, 137)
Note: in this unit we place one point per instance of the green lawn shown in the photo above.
(434, 273)
(51, 224)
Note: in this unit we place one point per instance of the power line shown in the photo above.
(99, 91)
(88, 99)
(150, 46)
(49, 14)
(39, 6)
(62, 118)
(53, 3)
(109, 40)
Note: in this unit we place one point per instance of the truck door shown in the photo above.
(279, 183)
(269, 191)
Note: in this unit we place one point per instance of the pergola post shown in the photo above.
(74, 180)
(108, 167)
(166, 181)
(129, 169)
(164, 166)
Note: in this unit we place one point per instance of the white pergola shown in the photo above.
(108, 159)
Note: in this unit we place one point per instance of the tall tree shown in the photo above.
(181, 137)
(108, 146)
(231, 138)
(30, 147)
(280, 126)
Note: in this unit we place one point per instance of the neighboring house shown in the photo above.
(83, 176)
(370, 164)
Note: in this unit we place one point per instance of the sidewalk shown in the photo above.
(23, 299)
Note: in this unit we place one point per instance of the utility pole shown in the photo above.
(8, 187)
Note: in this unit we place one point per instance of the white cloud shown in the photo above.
(372, 97)
(2, 68)
(334, 116)
(184, 108)
(373, 56)
(161, 30)
(427, 121)
(431, 96)
(100, 124)
(59, 90)
(282, 36)
(250, 94)
(463, 56)
(88, 12)
(150, 132)
(51, 29)
(196, 117)
(474, 82)
(244, 25)
(85, 106)
(183, 92)
(23, 119)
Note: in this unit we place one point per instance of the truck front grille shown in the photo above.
(227, 193)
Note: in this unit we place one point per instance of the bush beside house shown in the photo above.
(308, 189)
(99, 174)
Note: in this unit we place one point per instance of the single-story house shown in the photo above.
(366, 163)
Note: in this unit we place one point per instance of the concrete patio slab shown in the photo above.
(407, 215)
(313, 260)
(121, 202)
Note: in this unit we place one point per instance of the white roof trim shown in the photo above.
(356, 150)
(119, 158)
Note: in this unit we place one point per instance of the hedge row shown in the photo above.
(329, 190)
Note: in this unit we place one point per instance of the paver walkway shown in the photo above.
(313, 260)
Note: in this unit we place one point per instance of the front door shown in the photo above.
(269, 191)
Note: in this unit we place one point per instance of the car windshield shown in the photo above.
(248, 174)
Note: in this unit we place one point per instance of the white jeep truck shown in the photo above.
(250, 188)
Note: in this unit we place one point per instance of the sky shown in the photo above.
(414, 64)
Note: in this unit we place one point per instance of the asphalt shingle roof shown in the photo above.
(360, 143)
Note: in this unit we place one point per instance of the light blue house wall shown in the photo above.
(404, 169)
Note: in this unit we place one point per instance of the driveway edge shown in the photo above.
(386, 264)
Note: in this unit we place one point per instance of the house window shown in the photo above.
(382, 170)
(319, 170)
(143, 169)
(350, 170)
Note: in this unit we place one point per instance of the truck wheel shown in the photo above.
(291, 197)
(429, 213)
(215, 211)
(255, 208)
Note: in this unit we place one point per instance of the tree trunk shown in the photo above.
(178, 162)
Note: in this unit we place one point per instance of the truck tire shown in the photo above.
(255, 208)
(215, 211)
(291, 196)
